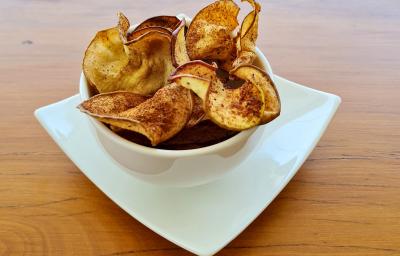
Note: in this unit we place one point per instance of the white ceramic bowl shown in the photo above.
(174, 167)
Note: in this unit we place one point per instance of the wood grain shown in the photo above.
(345, 200)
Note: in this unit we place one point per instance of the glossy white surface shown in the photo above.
(202, 219)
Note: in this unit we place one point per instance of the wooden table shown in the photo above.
(345, 200)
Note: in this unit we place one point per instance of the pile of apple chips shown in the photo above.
(179, 86)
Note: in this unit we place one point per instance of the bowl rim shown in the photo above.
(168, 153)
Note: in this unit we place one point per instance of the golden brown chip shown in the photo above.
(261, 79)
(168, 22)
(236, 105)
(178, 46)
(150, 62)
(209, 34)
(247, 37)
(196, 68)
(135, 35)
(123, 24)
(201, 70)
(141, 65)
(158, 118)
(111, 103)
(234, 109)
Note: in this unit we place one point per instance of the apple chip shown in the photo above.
(198, 115)
(247, 37)
(168, 22)
(196, 68)
(262, 80)
(111, 103)
(204, 72)
(178, 46)
(141, 65)
(234, 109)
(197, 84)
(210, 33)
(158, 118)
(138, 33)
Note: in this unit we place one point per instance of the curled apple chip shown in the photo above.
(111, 103)
(178, 45)
(247, 37)
(197, 84)
(204, 72)
(138, 33)
(112, 63)
(199, 87)
(158, 118)
(198, 115)
(234, 109)
(210, 33)
(168, 22)
(196, 68)
(263, 81)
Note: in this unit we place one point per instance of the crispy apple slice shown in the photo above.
(168, 22)
(178, 46)
(111, 103)
(112, 63)
(210, 33)
(196, 68)
(138, 33)
(262, 80)
(247, 37)
(197, 84)
(158, 118)
(234, 109)
(198, 115)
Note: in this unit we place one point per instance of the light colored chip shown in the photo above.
(262, 80)
(111, 103)
(158, 118)
(141, 65)
(210, 33)
(197, 84)
(234, 109)
(203, 71)
(178, 46)
(196, 68)
(168, 22)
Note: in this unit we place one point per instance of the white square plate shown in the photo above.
(205, 218)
